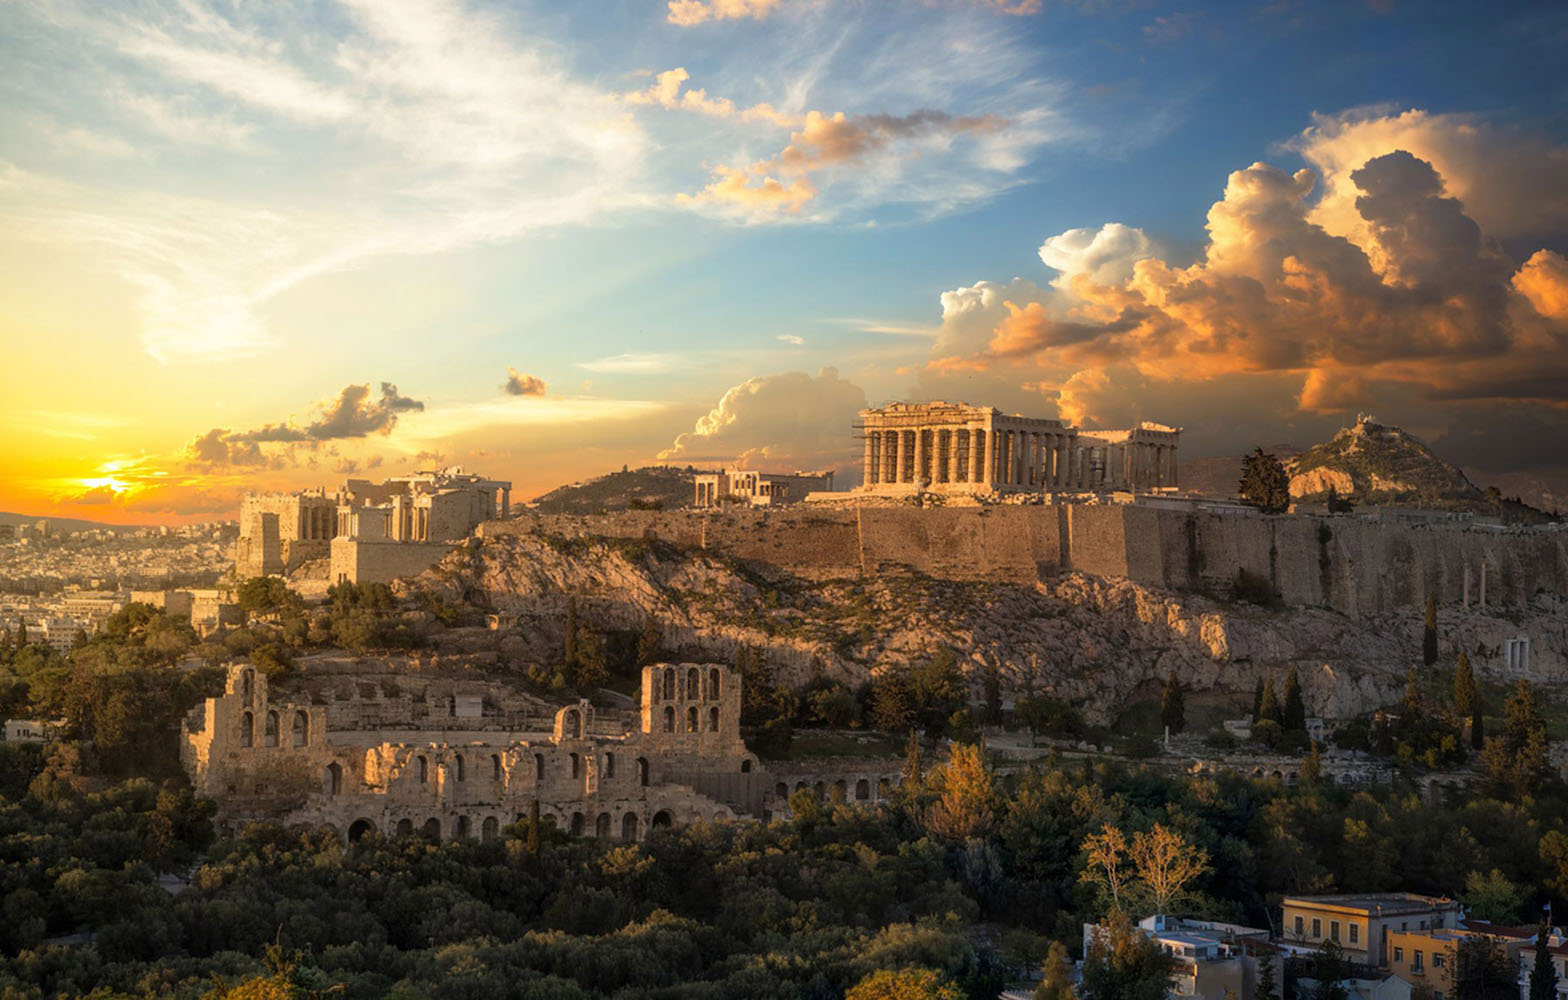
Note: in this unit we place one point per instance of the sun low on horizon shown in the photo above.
(269, 247)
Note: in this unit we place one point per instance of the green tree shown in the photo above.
(1268, 705)
(1429, 633)
(1329, 969)
(993, 694)
(1465, 693)
(1543, 976)
(1491, 897)
(265, 597)
(1480, 971)
(1122, 963)
(1312, 765)
(1267, 988)
(1293, 715)
(1056, 978)
(905, 984)
(1173, 710)
(967, 804)
(892, 707)
(650, 643)
(1264, 482)
(1514, 763)
(913, 768)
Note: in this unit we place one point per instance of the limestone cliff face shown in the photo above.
(1096, 642)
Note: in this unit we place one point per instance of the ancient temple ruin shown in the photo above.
(957, 448)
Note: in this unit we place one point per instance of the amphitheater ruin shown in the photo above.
(398, 754)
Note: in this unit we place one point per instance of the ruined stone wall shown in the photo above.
(325, 760)
(382, 561)
(1352, 563)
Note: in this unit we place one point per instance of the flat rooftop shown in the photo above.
(1385, 903)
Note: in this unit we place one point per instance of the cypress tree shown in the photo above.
(1268, 707)
(1266, 986)
(993, 694)
(1173, 710)
(1294, 715)
(1312, 766)
(1429, 634)
(1543, 978)
(912, 764)
(1464, 686)
(21, 635)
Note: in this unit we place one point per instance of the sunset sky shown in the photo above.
(271, 245)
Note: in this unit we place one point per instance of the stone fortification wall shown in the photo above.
(383, 561)
(1352, 563)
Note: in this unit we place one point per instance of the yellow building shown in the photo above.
(1361, 924)
(1426, 958)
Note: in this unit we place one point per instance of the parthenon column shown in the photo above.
(898, 456)
(953, 466)
(870, 465)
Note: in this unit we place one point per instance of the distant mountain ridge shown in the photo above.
(64, 523)
(667, 486)
(1380, 464)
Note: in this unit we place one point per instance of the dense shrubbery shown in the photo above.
(806, 908)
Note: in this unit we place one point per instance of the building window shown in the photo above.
(1299, 922)
(1317, 927)
(1399, 954)
(1416, 964)
(1333, 929)
(1437, 961)
(1355, 933)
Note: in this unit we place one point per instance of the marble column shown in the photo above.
(979, 454)
(870, 466)
(898, 456)
(955, 456)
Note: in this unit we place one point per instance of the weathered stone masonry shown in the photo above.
(369, 764)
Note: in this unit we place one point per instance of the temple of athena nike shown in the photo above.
(956, 448)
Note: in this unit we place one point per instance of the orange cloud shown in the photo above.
(1543, 280)
(522, 385)
(753, 191)
(689, 12)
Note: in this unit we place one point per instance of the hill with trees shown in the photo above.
(655, 486)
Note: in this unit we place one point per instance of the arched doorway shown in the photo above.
(629, 827)
(577, 824)
(359, 828)
(461, 830)
(862, 790)
(661, 820)
(489, 829)
(405, 828)
(642, 771)
(332, 781)
(601, 826)
(433, 828)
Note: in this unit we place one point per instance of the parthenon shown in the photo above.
(944, 447)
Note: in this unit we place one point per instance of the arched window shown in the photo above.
(862, 790)
(669, 720)
(538, 767)
(574, 725)
(629, 827)
(693, 684)
(495, 767)
(489, 829)
(713, 720)
(461, 830)
(713, 683)
(601, 826)
(247, 688)
(609, 765)
(424, 770)
(269, 732)
(691, 719)
(333, 781)
(461, 768)
(301, 729)
(642, 771)
(247, 729)
(745, 767)
(577, 824)
(577, 766)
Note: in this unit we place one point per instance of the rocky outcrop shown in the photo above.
(1096, 642)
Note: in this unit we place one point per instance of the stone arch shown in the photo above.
(577, 765)
(460, 767)
(661, 820)
(495, 767)
(629, 825)
(489, 828)
(424, 768)
(781, 791)
(745, 766)
(301, 728)
(693, 684)
(248, 688)
(574, 724)
(713, 683)
(819, 789)
(247, 729)
(269, 730)
(601, 826)
(840, 790)
(669, 719)
(576, 828)
(800, 786)
(433, 828)
(669, 683)
(538, 767)
(332, 780)
(359, 828)
(642, 771)
(405, 828)
(461, 828)
(691, 719)
(1278, 776)
(713, 720)
(862, 790)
